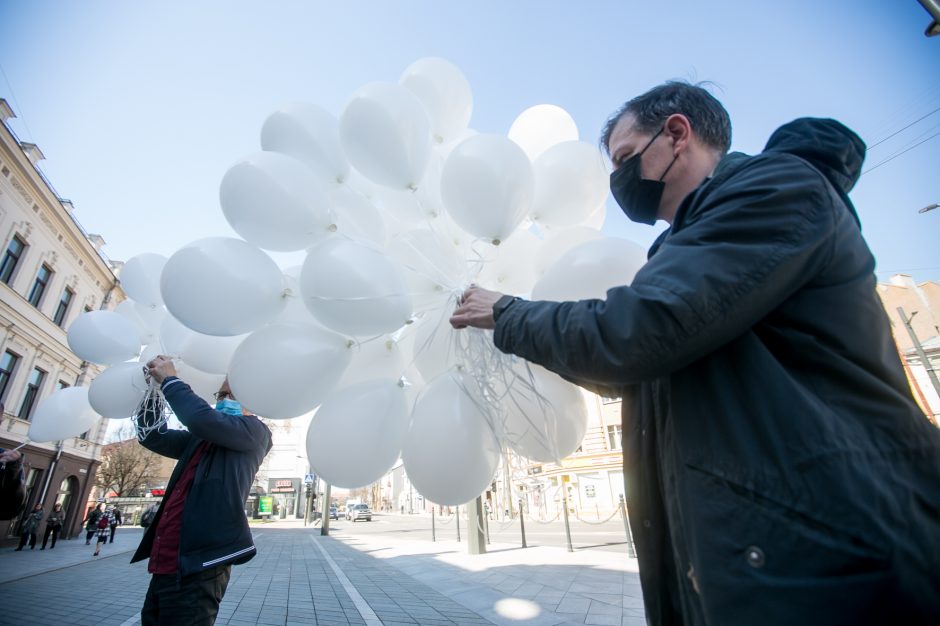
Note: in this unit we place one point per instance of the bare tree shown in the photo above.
(126, 467)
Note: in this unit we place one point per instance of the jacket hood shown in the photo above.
(828, 145)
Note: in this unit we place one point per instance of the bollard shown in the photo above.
(631, 550)
(564, 503)
(457, 516)
(433, 529)
(522, 523)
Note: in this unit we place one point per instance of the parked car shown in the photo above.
(360, 511)
(334, 512)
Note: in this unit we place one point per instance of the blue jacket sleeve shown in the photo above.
(169, 443)
(235, 432)
(757, 239)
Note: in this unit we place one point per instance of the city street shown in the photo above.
(387, 571)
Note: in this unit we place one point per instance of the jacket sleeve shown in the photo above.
(12, 490)
(170, 443)
(242, 432)
(758, 237)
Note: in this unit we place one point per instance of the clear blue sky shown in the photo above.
(141, 107)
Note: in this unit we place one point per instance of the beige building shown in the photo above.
(920, 304)
(50, 271)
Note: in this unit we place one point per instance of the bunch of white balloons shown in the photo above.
(399, 207)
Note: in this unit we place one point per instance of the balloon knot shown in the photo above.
(332, 228)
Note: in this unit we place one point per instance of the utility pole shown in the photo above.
(325, 523)
(920, 350)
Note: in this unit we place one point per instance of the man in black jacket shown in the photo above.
(200, 529)
(778, 469)
(12, 487)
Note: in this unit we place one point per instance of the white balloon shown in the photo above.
(401, 209)
(546, 417)
(386, 134)
(540, 127)
(487, 186)
(445, 93)
(512, 266)
(104, 337)
(357, 217)
(354, 289)
(450, 453)
(222, 286)
(432, 268)
(436, 345)
(357, 433)
(140, 278)
(116, 392)
(210, 354)
(275, 202)
(295, 312)
(203, 384)
(596, 219)
(373, 359)
(129, 309)
(310, 134)
(174, 336)
(285, 370)
(558, 242)
(571, 181)
(65, 413)
(150, 352)
(588, 270)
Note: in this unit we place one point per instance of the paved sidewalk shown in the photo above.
(347, 579)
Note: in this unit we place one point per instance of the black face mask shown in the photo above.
(638, 197)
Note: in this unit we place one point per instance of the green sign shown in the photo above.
(265, 505)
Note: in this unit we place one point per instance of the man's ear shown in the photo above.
(679, 129)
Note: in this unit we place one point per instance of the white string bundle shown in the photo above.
(153, 412)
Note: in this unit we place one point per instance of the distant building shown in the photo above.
(50, 271)
(920, 304)
(282, 472)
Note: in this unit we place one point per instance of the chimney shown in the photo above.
(903, 280)
(32, 151)
(5, 111)
(67, 205)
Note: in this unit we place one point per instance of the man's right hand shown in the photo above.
(160, 368)
(10, 456)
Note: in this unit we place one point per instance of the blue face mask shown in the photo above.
(229, 407)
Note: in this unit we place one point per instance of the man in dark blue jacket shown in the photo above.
(200, 529)
(12, 487)
(778, 469)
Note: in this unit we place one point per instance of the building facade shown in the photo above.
(914, 311)
(51, 270)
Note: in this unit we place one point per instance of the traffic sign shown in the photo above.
(308, 478)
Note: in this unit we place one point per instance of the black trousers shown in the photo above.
(113, 528)
(50, 530)
(24, 537)
(190, 601)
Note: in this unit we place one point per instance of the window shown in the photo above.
(32, 391)
(39, 287)
(63, 309)
(7, 367)
(10, 258)
(613, 436)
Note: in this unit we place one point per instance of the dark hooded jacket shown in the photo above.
(778, 469)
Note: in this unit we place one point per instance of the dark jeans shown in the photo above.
(190, 601)
(113, 528)
(50, 530)
(24, 537)
(89, 534)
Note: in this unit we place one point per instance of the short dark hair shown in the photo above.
(708, 117)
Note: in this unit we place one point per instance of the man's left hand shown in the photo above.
(160, 368)
(476, 309)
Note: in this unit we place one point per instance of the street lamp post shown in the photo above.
(929, 207)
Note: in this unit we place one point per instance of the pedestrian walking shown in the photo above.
(200, 529)
(28, 529)
(103, 529)
(54, 523)
(116, 519)
(91, 523)
(779, 470)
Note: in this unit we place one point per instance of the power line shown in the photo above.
(903, 129)
(896, 155)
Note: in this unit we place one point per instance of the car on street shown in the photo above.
(360, 511)
(334, 512)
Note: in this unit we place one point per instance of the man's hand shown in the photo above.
(10, 456)
(160, 367)
(476, 309)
